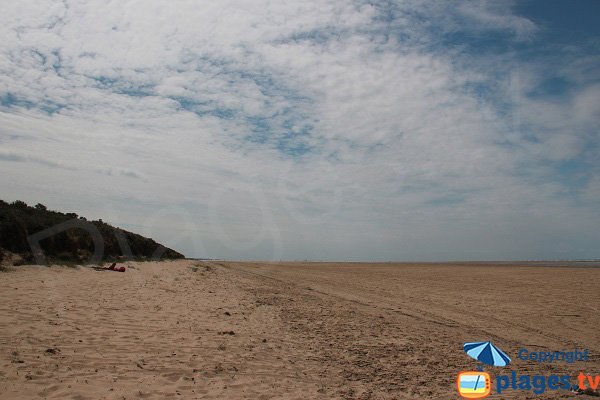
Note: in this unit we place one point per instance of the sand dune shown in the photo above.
(216, 330)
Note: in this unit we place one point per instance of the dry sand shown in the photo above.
(227, 330)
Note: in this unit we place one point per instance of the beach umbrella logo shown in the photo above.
(487, 353)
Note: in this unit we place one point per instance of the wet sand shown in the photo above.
(234, 330)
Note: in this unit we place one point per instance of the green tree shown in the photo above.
(19, 204)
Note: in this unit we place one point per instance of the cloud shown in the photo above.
(492, 15)
(321, 129)
(20, 158)
(122, 172)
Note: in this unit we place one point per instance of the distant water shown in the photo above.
(549, 263)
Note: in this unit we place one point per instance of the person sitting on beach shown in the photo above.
(113, 267)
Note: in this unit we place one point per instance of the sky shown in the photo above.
(317, 129)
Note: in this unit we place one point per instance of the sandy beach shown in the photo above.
(232, 330)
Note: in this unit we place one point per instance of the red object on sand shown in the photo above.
(113, 267)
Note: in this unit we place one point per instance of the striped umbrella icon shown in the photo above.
(487, 353)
